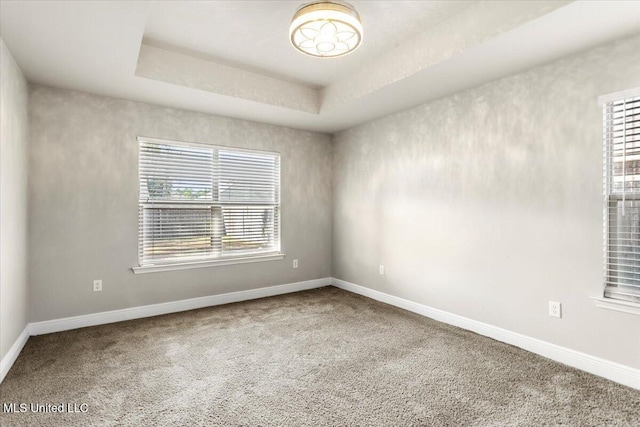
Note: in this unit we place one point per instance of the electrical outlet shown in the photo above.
(555, 309)
(97, 286)
(295, 263)
(381, 270)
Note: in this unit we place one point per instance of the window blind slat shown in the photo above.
(199, 202)
(621, 176)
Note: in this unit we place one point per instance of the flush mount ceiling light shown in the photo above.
(326, 29)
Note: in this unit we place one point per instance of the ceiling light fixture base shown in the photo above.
(326, 29)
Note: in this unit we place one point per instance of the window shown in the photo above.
(201, 202)
(622, 199)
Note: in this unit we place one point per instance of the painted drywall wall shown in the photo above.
(83, 196)
(13, 200)
(488, 203)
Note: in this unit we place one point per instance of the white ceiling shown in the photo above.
(254, 35)
(232, 58)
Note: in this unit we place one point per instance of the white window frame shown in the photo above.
(218, 260)
(603, 300)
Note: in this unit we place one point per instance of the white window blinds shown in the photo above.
(622, 199)
(199, 202)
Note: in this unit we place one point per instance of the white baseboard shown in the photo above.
(58, 325)
(613, 371)
(7, 361)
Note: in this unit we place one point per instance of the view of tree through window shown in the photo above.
(199, 202)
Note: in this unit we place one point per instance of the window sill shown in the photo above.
(207, 263)
(617, 305)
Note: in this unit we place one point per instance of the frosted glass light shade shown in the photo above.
(326, 29)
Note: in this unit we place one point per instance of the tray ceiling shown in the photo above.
(233, 58)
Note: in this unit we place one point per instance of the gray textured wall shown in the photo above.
(13, 200)
(488, 203)
(83, 196)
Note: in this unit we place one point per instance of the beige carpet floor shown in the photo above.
(314, 358)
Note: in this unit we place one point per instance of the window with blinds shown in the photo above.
(201, 202)
(622, 199)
